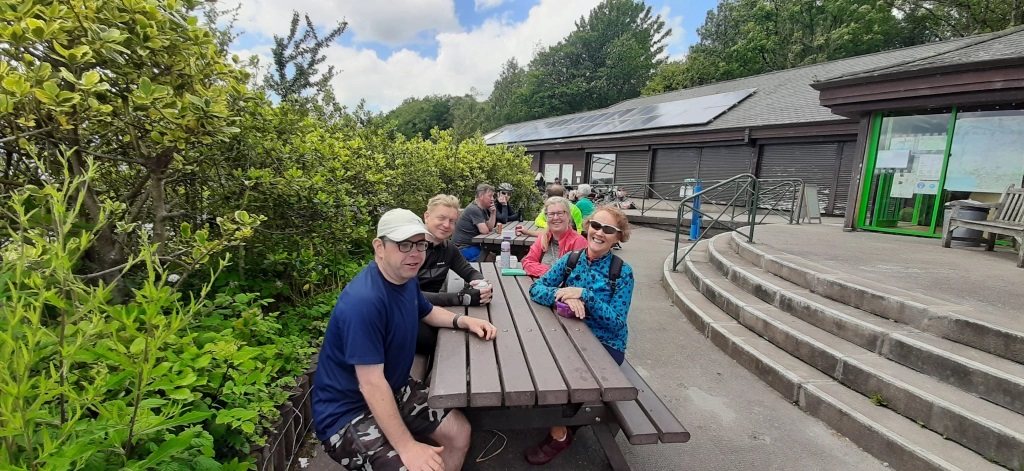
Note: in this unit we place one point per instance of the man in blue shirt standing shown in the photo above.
(368, 412)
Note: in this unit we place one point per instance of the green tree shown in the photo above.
(748, 37)
(670, 76)
(937, 20)
(297, 59)
(609, 57)
(504, 99)
(417, 116)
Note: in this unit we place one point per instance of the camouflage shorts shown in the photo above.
(361, 445)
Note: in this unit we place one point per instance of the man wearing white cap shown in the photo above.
(368, 412)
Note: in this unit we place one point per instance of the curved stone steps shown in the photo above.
(988, 376)
(996, 335)
(990, 430)
(887, 435)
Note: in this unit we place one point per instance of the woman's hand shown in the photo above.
(568, 293)
(577, 307)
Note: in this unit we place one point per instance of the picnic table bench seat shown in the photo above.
(1008, 220)
(646, 420)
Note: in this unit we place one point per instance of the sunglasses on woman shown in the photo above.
(606, 228)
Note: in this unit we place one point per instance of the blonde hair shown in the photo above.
(443, 200)
(621, 221)
(546, 236)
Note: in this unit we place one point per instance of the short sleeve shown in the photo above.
(363, 332)
(476, 215)
(424, 305)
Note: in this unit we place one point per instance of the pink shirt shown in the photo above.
(570, 241)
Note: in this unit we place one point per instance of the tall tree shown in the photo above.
(936, 20)
(748, 37)
(297, 59)
(503, 101)
(609, 57)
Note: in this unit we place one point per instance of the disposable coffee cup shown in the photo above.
(478, 284)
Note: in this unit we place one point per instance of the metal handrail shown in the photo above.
(748, 182)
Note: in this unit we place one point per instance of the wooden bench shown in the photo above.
(646, 420)
(1008, 220)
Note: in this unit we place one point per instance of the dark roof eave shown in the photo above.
(904, 74)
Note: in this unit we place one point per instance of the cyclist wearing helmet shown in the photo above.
(505, 212)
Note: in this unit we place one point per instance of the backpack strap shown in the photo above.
(613, 271)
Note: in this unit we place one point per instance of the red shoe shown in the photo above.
(548, 449)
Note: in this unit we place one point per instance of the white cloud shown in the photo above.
(484, 5)
(676, 42)
(394, 22)
(465, 59)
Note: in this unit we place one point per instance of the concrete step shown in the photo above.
(997, 335)
(989, 429)
(986, 375)
(890, 437)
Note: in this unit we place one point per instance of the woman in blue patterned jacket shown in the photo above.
(593, 296)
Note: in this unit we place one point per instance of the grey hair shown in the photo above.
(483, 188)
(558, 200)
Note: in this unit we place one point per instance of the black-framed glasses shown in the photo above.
(606, 228)
(555, 214)
(504, 193)
(406, 246)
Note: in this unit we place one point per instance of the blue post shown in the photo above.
(695, 215)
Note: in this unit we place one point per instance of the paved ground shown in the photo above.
(970, 276)
(737, 422)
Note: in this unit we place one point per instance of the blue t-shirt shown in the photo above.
(374, 322)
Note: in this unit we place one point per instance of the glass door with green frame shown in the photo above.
(906, 165)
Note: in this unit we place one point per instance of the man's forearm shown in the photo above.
(381, 401)
(439, 317)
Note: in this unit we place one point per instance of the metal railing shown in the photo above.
(783, 198)
(743, 188)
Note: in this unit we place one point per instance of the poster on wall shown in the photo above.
(892, 159)
(903, 184)
(987, 153)
(550, 172)
(929, 166)
(903, 143)
(935, 142)
(567, 174)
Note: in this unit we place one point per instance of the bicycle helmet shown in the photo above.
(505, 187)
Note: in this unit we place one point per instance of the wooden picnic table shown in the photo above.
(542, 370)
(520, 244)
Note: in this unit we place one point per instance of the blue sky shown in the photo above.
(411, 48)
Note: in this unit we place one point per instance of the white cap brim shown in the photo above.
(401, 233)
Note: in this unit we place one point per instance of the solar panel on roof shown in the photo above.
(687, 112)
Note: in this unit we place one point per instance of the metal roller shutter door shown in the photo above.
(812, 163)
(722, 163)
(631, 171)
(847, 164)
(672, 166)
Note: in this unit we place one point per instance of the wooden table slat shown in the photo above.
(448, 383)
(516, 381)
(582, 385)
(671, 430)
(551, 388)
(614, 384)
(484, 385)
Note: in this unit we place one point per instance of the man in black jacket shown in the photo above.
(505, 212)
(442, 255)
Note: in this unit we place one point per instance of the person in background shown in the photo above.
(592, 295)
(541, 222)
(558, 240)
(368, 412)
(442, 256)
(478, 218)
(584, 194)
(538, 179)
(505, 213)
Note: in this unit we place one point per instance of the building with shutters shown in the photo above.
(857, 128)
